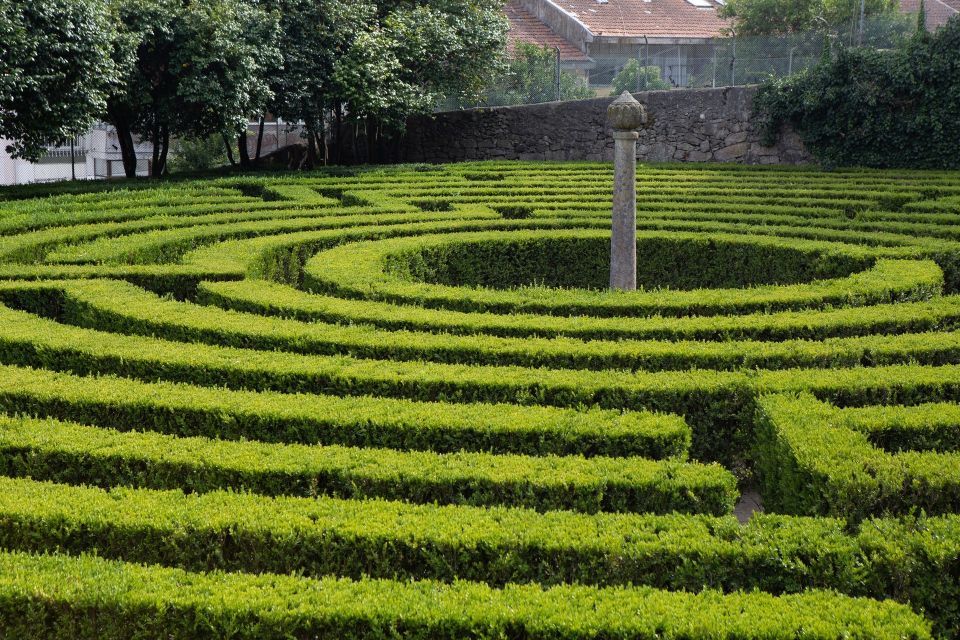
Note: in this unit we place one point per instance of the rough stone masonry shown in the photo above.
(688, 125)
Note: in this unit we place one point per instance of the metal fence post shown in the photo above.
(733, 64)
(557, 77)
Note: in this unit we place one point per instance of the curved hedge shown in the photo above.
(415, 374)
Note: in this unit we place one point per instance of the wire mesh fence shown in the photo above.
(95, 155)
(534, 75)
(539, 75)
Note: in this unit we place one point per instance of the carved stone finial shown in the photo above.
(626, 114)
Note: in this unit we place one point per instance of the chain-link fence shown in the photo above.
(534, 75)
(96, 155)
(539, 75)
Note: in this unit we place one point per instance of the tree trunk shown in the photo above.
(354, 152)
(338, 134)
(128, 151)
(321, 147)
(226, 144)
(311, 147)
(260, 140)
(155, 139)
(161, 167)
(370, 126)
(244, 151)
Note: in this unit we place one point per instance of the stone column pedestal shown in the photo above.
(626, 115)
(623, 239)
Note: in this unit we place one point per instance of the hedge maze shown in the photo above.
(400, 403)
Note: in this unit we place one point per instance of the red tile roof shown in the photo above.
(652, 18)
(526, 27)
(938, 11)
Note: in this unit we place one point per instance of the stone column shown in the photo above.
(626, 115)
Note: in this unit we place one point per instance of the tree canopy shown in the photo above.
(55, 70)
(189, 68)
(158, 69)
(531, 76)
(775, 17)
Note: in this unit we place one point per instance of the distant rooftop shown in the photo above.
(651, 18)
(526, 27)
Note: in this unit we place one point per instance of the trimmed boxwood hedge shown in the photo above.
(274, 299)
(64, 452)
(812, 461)
(121, 308)
(368, 270)
(173, 329)
(86, 597)
(187, 410)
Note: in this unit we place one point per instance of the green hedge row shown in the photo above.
(63, 214)
(359, 271)
(267, 298)
(716, 403)
(281, 257)
(170, 245)
(76, 454)
(926, 427)
(903, 244)
(180, 281)
(356, 538)
(909, 559)
(167, 245)
(33, 245)
(119, 307)
(81, 598)
(353, 538)
(185, 410)
(670, 261)
(811, 462)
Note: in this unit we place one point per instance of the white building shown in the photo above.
(95, 155)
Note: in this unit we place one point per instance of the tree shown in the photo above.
(633, 78)
(777, 17)
(372, 63)
(191, 68)
(312, 36)
(55, 70)
(531, 77)
(448, 48)
(413, 55)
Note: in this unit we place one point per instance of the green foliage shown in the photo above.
(530, 76)
(55, 71)
(763, 17)
(194, 155)
(635, 78)
(394, 271)
(190, 69)
(813, 463)
(312, 35)
(371, 85)
(431, 413)
(62, 452)
(326, 419)
(273, 299)
(381, 61)
(894, 108)
(79, 598)
(447, 47)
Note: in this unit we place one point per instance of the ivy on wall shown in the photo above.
(894, 108)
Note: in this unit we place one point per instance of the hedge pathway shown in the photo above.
(400, 403)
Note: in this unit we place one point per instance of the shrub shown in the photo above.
(896, 108)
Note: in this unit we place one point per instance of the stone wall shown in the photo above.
(691, 125)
